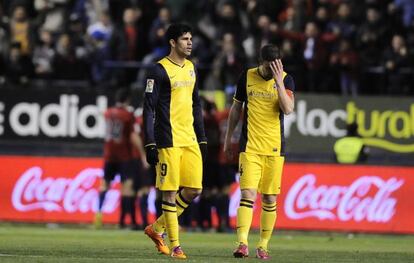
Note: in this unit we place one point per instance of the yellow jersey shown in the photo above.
(172, 110)
(262, 130)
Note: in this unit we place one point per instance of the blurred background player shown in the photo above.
(120, 139)
(210, 165)
(218, 173)
(228, 167)
(143, 179)
(267, 94)
(174, 135)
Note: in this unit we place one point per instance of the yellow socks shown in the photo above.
(267, 223)
(244, 220)
(182, 204)
(169, 211)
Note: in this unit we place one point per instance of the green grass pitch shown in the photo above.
(26, 243)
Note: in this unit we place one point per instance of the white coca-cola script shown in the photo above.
(61, 194)
(367, 198)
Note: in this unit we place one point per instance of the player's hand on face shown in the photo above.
(277, 71)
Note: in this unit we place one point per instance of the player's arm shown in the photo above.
(233, 119)
(150, 101)
(198, 116)
(235, 111)
(284, 87)
(152, 89)
(137, 142)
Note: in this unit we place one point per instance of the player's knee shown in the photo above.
(127, 189)
(190, 193)
(168, 196)
(249, 194)
(269, 199)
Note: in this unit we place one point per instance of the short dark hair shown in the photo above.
(174, 31)
(122, 95)
(270, 52)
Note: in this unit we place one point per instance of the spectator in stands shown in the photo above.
(314, 51)
(322, 18)
(157, 42)
(407, 7)
(99, 35)
(2, 72)
(4, 36)
(43, 55)
(370, 37)
(395, 60)
(128, 43)
(264, 32)
(345, 60)
(117, 8)
(52, 13)
(157, 34)
(342, 24)
(179, 9)
(90, 11)
(77, 32)
(292, 60)
(229, 62)
(365, 24)
(21, 30)
(65, 59)
(228, 21)
(255, 8)
(151, 9)
(128, 38)
(18, 67)
(103, 26)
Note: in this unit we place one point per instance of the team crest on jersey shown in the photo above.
(150, 85)
(192, 74)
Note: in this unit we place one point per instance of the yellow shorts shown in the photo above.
(261, 172)
(179, 167)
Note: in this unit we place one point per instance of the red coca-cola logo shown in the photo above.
(61, 194)
(367, 198)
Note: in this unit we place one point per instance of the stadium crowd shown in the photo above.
(330, 46)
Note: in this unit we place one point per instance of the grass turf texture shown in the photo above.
(22, 243)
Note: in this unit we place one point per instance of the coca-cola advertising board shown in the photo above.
(314, 196)
(48, 189)
(346, 197)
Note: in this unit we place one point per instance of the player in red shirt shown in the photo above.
(218, 171)
(144, 177)
(120, 139)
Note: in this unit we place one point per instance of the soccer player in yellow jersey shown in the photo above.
(267, 94)
(174, 135)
